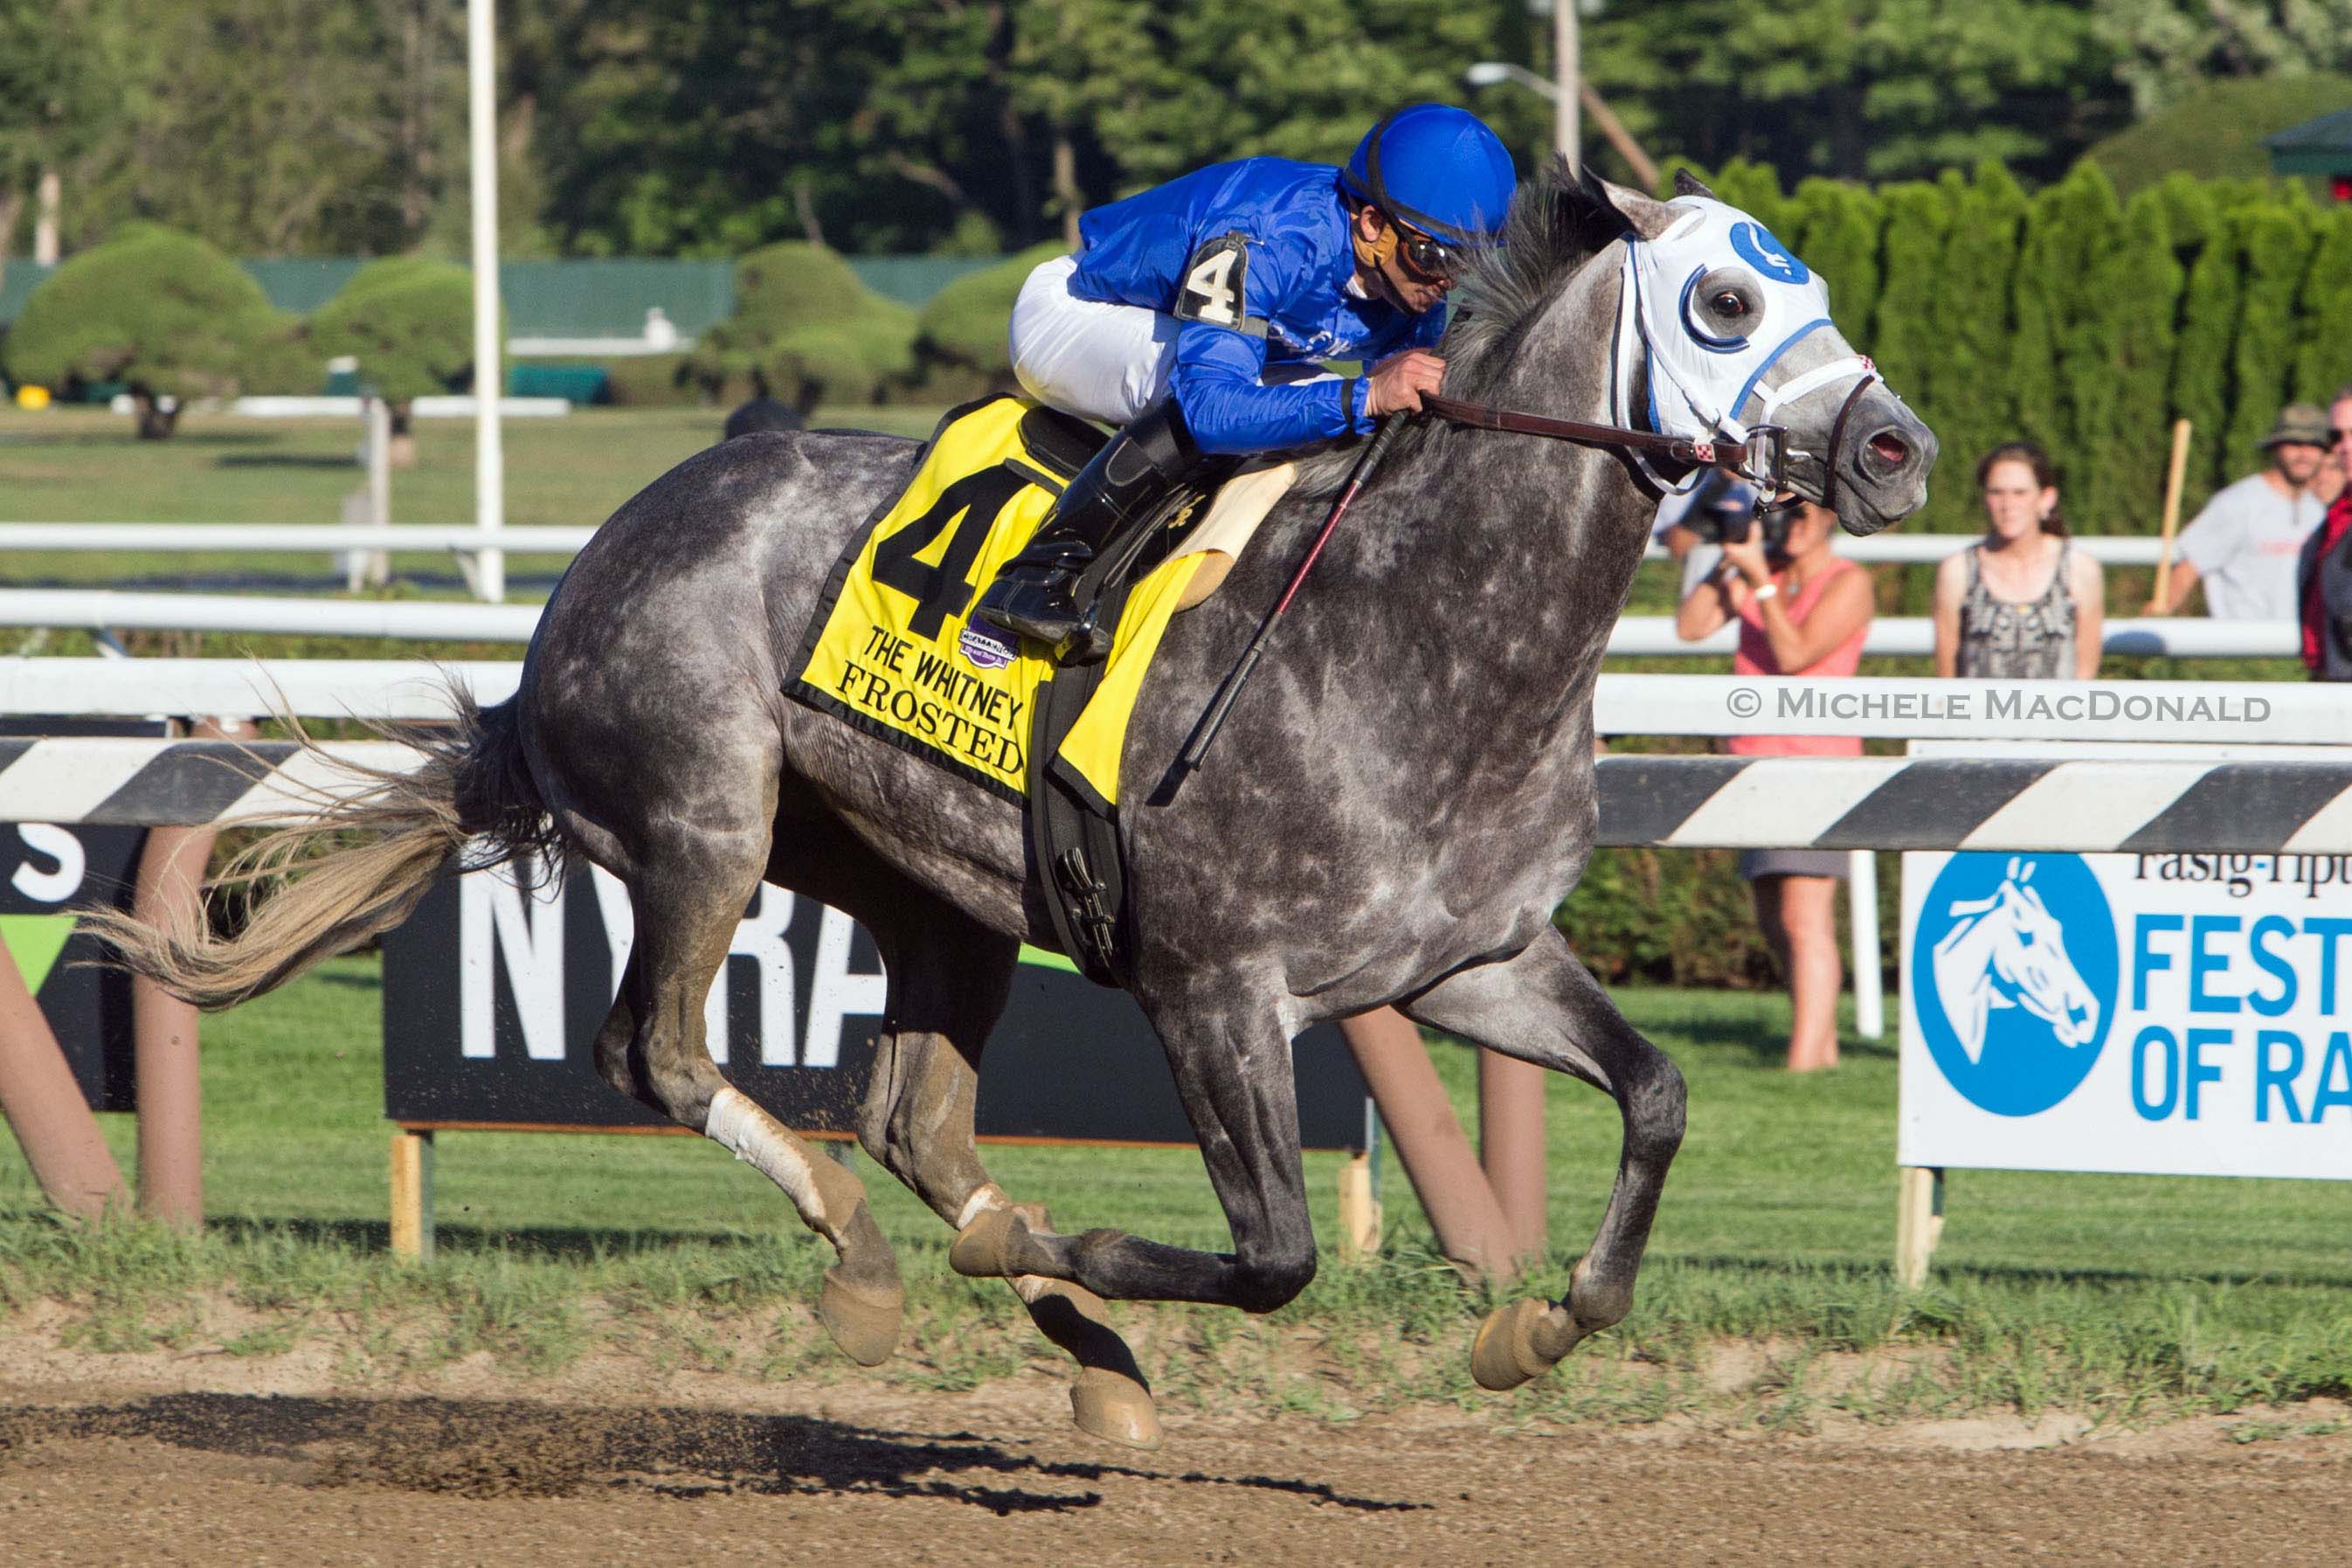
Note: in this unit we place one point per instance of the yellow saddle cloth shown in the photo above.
(890, 649)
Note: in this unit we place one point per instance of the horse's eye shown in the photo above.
(1729, 305)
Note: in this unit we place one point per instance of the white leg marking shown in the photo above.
(985, 1197)
(738, 1125)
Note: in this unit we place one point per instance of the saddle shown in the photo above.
(888, 648)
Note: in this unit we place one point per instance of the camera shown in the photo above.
(1723, 509)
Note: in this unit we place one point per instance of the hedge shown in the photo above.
(2080, 320)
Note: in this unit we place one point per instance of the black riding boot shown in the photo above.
(1039, 593)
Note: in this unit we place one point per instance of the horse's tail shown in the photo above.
(334, 893)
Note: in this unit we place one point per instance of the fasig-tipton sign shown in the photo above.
(2180, 1014)
(492, 998)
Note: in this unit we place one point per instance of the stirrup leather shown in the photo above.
(1048, 591)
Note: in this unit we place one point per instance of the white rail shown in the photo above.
(307, 688)
(1653, 637)
(2236, 713)
(240, 538)
(104, 609)
(230, 538)
(2240, 713)
(1646, 636)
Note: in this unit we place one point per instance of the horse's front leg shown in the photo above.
(1545, 1007)
(1232, 1064)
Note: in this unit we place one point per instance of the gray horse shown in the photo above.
(1397, 804)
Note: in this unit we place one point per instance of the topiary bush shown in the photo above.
(164, 313)
(805, 330)
(408, 320)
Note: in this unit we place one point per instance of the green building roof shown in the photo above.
(2322, 146)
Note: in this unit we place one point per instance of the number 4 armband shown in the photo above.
(1215, 286)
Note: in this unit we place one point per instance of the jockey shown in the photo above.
(1196, 316)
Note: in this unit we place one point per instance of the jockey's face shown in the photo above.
(1384, 264)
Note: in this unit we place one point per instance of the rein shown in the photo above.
(1762, 459)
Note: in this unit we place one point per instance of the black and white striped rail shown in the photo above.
(1727, 802)
(2129, 805)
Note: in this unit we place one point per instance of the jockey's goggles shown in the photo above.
(1428, 259)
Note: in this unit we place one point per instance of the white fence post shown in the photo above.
(1862, 908)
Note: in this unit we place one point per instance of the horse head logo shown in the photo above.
(2008, 950)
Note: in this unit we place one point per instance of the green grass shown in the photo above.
(83, 465)
(2125, 1298)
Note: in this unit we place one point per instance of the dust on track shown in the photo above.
(865, 1473)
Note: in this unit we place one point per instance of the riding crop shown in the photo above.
(1374, 450)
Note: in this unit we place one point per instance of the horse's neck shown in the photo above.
(1546, 531)
(1971, 945)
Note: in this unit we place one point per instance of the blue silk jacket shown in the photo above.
(1254, 258)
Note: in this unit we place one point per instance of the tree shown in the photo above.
(409, 323)
(2274, 246)
(1876, 88)
(2322, 361)
(1837, 233)
(2142, 277)
(1968, 388)
(2203, 356)
(163, 313)
(1904, 341)
(57, 58)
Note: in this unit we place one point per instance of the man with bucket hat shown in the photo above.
(2243, 546)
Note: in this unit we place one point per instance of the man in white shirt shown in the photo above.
(2243, 546)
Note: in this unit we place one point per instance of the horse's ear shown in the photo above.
(1689, 184)
(1643, 215)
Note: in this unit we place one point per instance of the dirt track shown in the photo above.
(93, 1475)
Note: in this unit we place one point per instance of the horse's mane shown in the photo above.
(1559, 221)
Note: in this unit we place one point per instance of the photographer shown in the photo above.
(1802, 611)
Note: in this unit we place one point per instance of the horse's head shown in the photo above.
(2028, 959)
(1722, 329)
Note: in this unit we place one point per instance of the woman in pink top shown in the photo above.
(1802, 611)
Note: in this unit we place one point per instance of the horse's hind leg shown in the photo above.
(949, 977)
(1545, 1007)
(689, 890)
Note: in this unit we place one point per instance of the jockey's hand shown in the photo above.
(1400, 381)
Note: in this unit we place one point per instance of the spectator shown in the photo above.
(2244, 545)
(1690, 522)
(1802, 611)
(2020, 603)
(2323, 580)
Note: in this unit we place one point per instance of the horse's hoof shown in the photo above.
(1116, 1410)
(984, 1250)
(862, 1319)
(1520, 1342)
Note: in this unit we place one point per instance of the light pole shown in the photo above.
(1495, 73)
(489, 458)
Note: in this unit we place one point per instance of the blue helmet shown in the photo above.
(1438, 169)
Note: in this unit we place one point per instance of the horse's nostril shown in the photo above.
(1891, 449)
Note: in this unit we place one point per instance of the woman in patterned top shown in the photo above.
(2022, 603)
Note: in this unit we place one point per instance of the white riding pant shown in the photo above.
(1100, 361)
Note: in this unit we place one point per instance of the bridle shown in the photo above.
(1761, 456)
(1763, 460)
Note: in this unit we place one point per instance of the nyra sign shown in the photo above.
(493, 996)
(2167, 1013)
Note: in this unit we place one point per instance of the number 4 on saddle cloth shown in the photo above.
(890, 649)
